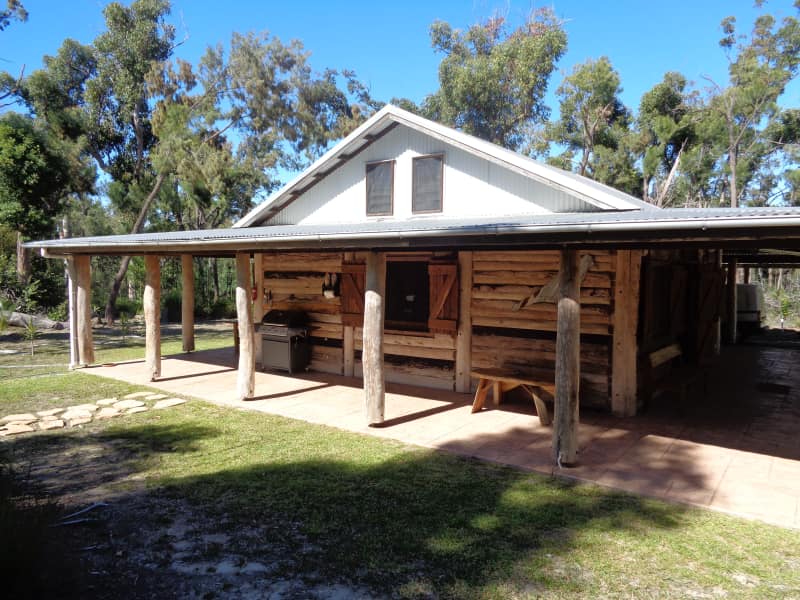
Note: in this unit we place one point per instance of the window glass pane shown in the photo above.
(407, 295)
(379, 188)
(427, 182)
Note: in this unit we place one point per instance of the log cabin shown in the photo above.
(427, 256)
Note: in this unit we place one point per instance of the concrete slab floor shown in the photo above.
(734, 446)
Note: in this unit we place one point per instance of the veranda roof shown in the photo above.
(739, 227)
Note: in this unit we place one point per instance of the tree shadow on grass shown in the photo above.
(344, 507)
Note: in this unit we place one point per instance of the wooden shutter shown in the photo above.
(711, 286)
(443, 316)
(352, 286)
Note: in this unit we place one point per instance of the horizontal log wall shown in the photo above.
(502, 280)
(293, 281)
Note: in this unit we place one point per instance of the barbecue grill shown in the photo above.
(284, 340)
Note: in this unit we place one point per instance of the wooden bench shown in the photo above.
(503, 380)
(679, 378)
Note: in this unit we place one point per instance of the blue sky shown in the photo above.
(387, 44)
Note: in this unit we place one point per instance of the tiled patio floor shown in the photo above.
(733, 448)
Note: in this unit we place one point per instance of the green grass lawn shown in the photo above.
(396, 519)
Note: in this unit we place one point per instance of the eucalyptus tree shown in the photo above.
(593, 126)
(493, 79)
(760, 66)
(15, 11)
(665, 132)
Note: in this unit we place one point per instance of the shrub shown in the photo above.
(171, 305)
(223, 309)
(127, 306)
(60, 312)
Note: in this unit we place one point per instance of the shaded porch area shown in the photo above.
(732, 446)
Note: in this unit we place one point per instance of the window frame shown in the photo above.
(440, 156)
(367, 166)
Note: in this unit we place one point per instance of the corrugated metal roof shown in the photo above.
(606, 226)
(597, 194)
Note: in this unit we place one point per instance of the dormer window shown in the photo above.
(427, 184)
(380, 184)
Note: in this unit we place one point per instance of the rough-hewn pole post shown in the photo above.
(83, 300)
(187, 302)
(568, 351)
(74, 358)
(246, 381)
(372, 353)
(152, 315)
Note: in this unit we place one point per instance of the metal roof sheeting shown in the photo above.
(607, 227)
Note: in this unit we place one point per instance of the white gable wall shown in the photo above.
(473, 186)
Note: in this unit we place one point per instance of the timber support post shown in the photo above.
(372, 353)
(258, 305)
(565, 423)
(187, 302)
(626, 322)
(246, 377)
(152, 315)
(464, 332)
(730, 302)
(83, 301)
(74, 359)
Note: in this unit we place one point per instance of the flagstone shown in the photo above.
(15, 428)
(168, 403)
(125, 404)
(51, 412)
(19, 418)
(107, 412)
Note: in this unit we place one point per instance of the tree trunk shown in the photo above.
(215, 278)
(23, 262)
(126, 260)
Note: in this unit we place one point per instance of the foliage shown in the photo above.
(59, 312)
(34, 177)
(171, 305)
(128, 307)
(593, 125)
(492, 81)
(30, 332)
(124, 325)
(759, 67)
(5, 309)
(14, 10)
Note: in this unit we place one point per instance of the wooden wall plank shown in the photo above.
(626, 322)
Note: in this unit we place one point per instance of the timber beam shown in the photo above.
(187, 302)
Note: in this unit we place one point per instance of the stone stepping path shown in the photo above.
(79, 414)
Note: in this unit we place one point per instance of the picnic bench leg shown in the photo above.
(480, 395)
(541, 407)
(497, 393)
